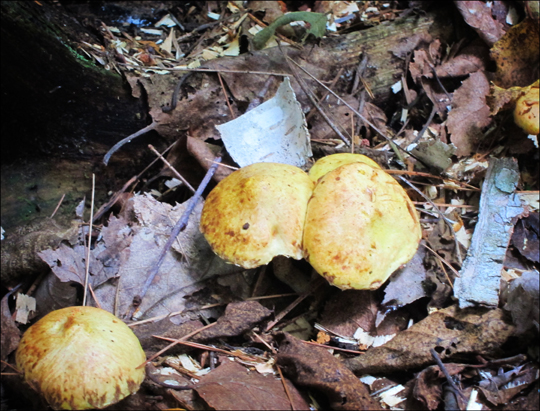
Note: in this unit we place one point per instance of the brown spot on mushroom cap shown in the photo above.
(362, 215)
(273, 198)
(81, 358)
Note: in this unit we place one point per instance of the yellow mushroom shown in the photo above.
(257, 213)
(350, 219)
(329, 163)
(526, 111)
(360, 227)
(81, 358)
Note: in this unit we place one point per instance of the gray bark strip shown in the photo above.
(500, 207)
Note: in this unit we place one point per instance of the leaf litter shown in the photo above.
(377, 345)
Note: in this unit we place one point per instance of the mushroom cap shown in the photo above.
(81, 358)
(360, 227)
(526, 113)
(333, 161)
(257, 213)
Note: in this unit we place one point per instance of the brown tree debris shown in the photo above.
(316, 368)
(233, 387)
(470, 113)
(450, 332)
(480, 275)
(525, 237)
(238, 318)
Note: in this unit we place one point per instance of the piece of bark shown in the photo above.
(500, 207)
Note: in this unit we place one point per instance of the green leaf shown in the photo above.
(316, 20)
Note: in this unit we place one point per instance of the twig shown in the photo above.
(179, 340)
(128, 140)
(314, 285)
(87, 268)
(105, 207)
(332, 85)
(225, 95)
(180, 225)
(94, 295)
(333, 348)
(451, 382)
(285, 387)
(313, 100)
(449, 222)
(176, 173)
(428, 122)
(207, 70)
(373, 126)
(174, 97)
(58, 206)
(270, 348)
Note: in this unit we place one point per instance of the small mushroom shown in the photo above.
(333, 161)
(81, 358)
(360, 227)
(257, 213)
(526, 113)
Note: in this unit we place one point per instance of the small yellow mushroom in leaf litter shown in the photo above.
(81, 358)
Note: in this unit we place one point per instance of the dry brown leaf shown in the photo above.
(477, 14)
(233, 387)
(428, 383)
(239, 317)
(319, 370)
(10, 335)
(450, 331)
(470, 114)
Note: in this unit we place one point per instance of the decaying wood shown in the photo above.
(500, 207)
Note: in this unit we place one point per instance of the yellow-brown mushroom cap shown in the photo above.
(257, 213)
(81, 358)
(526, 112)
(360, 227)
(333, 161)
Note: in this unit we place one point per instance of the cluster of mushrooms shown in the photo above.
(349, 218)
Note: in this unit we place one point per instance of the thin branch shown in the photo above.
(176, 173)
(128, 140)
(449, 222)
(179, 340)
(208, 70)
(314, 101)
(87, 268)
(180, 225)
(451, 382)
(373, 126)
(58, 206)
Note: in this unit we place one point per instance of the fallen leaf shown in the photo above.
(449, 331)
(428, 383)
(316, 368)
(478, 15)
(470, 114)
(239, 318)
(10, 335)
(522, 301)
(525, 237)
(232, 387)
